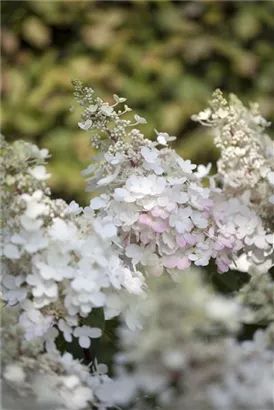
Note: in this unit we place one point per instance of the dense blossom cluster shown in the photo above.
(166, 216)
(58, 262)
(246, 160)
(134, 253)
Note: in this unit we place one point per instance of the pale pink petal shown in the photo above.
(190, 239)
(181, 241)
(145, 219)
(170, 261)
(183, 263)
(159, 225)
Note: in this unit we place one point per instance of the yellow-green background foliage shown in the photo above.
(165, 57)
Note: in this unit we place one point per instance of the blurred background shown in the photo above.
(165, 57)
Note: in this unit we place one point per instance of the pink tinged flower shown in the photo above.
(218, 245)
(183, 263)
(180, 241)
(174, 261)
(180, 227)
(190, 239)
(208, 203)
(145, 219)
(160, 225)
(170, 261)
(226, 242)
(223, 263)
(222, 267)
(159, 212)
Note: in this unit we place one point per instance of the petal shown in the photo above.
(84, 342)
(11, 251)
(95, 332)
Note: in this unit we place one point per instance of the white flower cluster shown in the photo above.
(59, 263)
(133, 253)
(170, 222)
(247, 153)
(167, 218)
(182, 361)
(33, 379)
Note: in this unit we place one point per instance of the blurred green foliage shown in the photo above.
(165, 57)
